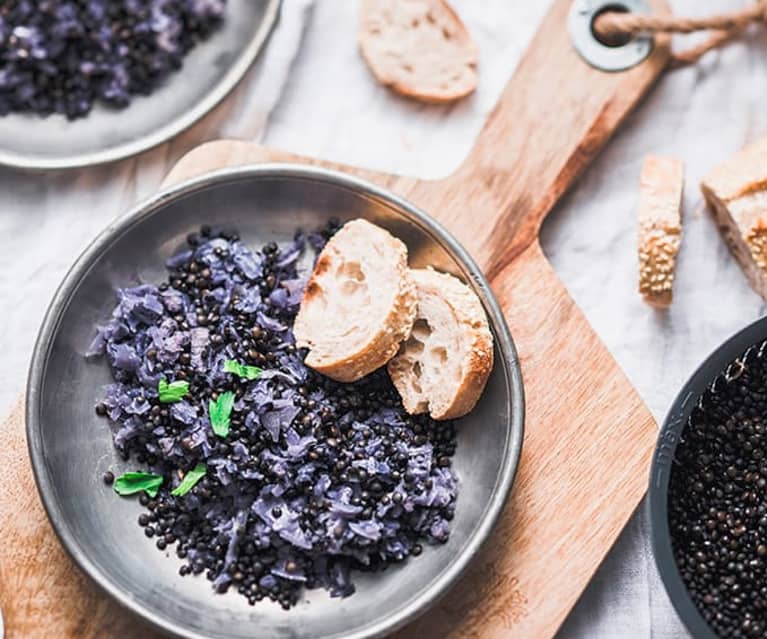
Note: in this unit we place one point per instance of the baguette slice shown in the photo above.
(443, 366)
(736, 190)
(660, 227)
(418, 48)
(359, 303)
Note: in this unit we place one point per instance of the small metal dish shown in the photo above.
(211, 70)
(734, 348)
(71, 448)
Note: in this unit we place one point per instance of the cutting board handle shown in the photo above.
(588, 436)
(552, 118)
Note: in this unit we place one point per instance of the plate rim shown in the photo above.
(437, 588)
(233, 76)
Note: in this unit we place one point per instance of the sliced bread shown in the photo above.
(359, 303)
(660, 227)
(418, 48)
(736, 190)
(444, 364)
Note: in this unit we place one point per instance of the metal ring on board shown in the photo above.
(601, 55)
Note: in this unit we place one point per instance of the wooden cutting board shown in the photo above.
(588, 437)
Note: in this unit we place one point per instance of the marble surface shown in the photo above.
(310, 93)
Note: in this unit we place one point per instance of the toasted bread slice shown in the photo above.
(660, 227)
(418, 48)
(359, 303)
(736, 190)
(443, 366)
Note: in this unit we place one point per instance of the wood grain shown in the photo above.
(553, 117)
(42, 594)
(588, 436)
(584, 468)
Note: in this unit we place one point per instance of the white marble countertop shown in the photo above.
(310, 93)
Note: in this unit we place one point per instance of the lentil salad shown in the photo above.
(64, 56)
(310, 478)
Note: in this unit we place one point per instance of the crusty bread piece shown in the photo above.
(443, 366)
(660, 227)
(359, 303)
(736, 190)
(419, 48)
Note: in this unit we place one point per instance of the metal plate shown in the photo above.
(660, 474)
(597, 54)
(211, 70)
(71, 448)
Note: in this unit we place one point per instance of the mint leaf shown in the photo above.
(173, 392)
(190, 479)
(220, 412)
(242, 370)
(132, 483)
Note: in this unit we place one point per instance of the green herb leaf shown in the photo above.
(173, 392)
(132, 483)
(220, 412)
(242, 370)
(190, 479)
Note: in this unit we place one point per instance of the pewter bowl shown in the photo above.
(210, 71)
(71, 448)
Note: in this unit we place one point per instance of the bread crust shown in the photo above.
(475, 351)
(660, 227)
(736, 190)
(418, 48)
(382, 341)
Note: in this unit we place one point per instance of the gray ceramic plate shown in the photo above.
(210, 72)
(71, 448)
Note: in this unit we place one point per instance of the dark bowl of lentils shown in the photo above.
(202, 475)
(708, 492)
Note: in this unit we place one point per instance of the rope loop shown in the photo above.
(724, 28)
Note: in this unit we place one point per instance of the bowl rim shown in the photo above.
(266, 171)
(225, 85)
(668, 438)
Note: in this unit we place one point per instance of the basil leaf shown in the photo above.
(173, 392)
(220, 412)
(132, 483)
(190, 479)
(242, 370)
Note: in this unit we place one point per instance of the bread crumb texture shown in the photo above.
(736, 190)
(418, 48)
(443, 366)
(359, 303)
